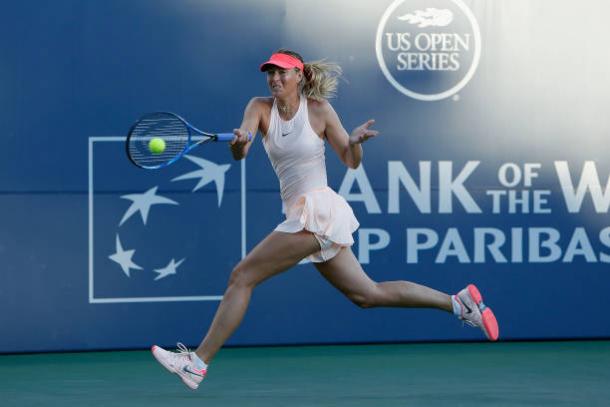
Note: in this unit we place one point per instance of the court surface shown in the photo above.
(470, 374)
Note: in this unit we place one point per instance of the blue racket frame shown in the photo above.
(190, 144)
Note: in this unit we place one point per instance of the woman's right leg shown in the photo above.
(276, 253)
(345, 273)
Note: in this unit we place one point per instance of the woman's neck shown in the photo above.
(288, 106)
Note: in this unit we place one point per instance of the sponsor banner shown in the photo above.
(490, 168)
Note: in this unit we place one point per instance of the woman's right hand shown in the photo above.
(239, 144)
(240, 139)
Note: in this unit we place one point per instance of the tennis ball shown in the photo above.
(156, 145)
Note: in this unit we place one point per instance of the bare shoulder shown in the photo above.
(320, 109)
(319, 106)
(264, 106)
(261, 108)
(261, 103)
(321, 115)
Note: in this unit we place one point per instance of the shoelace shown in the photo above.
(186, 352)
(183, 350)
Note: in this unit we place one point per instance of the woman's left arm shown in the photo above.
(348, 148)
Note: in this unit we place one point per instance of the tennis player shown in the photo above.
(296, 121)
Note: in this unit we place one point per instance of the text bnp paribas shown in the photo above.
(456, 197)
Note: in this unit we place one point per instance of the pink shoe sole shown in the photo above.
(490, 324)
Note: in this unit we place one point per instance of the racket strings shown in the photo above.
(171, 130)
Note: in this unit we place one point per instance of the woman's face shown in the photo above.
(282, 81)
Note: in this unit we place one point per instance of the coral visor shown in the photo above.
(283, 61)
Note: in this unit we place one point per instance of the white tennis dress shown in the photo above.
(297, 155)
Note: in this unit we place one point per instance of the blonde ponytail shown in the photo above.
(321, 79)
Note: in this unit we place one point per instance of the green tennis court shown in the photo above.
(472, 374)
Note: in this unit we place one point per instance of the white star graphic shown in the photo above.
(143, 202)
(209, 172)
(171, 268)
(123, 258)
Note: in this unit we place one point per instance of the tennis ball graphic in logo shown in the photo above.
(156, 145)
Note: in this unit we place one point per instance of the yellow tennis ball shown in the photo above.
(156, 145)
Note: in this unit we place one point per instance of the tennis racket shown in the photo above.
(159, 139)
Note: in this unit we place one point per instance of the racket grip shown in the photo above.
(225, 136)
(229, 136)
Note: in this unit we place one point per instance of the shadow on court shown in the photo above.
(475, 374)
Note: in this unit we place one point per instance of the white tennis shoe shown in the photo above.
(476, 313)
(181, 363)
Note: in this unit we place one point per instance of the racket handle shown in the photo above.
(229, 136)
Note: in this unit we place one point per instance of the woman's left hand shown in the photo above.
(362, 133)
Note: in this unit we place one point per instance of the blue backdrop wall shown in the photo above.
(491, 168)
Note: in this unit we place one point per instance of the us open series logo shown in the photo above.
(428, 50)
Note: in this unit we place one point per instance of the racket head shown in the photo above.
(172, 129)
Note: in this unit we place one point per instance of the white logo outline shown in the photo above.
(422, 96)
(93, 299)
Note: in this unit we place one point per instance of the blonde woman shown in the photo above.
(296, 121)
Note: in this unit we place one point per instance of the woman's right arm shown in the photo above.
(252, 115)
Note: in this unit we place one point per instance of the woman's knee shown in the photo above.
(243, 275)
(365, 299)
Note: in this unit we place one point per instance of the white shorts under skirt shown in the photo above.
(328, 216)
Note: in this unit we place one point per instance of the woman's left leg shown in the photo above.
(345, 273)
